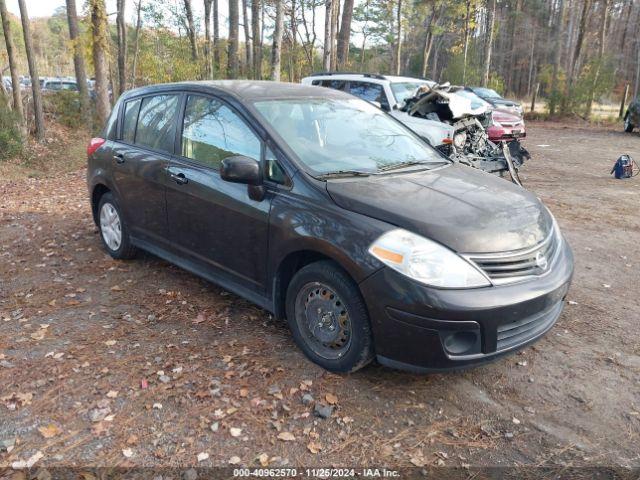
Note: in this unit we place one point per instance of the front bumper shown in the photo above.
(420, 328)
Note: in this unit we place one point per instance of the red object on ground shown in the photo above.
(506, 127)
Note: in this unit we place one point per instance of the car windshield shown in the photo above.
(487, 92)
(348, 136)
(404, 90)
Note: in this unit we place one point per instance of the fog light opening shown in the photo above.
(463, 342)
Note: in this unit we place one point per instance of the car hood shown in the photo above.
(433, 131)
(502, 102)
(467, 210)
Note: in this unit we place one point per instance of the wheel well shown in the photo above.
(98, 191)
(286, 270)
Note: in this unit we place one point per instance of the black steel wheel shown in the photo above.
(328, 318)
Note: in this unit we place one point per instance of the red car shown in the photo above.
(506, 127)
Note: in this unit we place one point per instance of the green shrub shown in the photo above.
(11, 142)
(64, 106)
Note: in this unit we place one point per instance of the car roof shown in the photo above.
(246, 90)
(372, 77)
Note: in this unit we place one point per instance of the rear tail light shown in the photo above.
(94, 144)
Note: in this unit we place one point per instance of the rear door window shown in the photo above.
(371, 92)
(157, 122)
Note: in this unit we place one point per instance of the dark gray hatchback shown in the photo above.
(328, 212)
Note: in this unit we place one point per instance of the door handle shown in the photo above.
(179, 178)
(119, 158)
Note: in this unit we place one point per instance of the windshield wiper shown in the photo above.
(345, 173)
(396, 166)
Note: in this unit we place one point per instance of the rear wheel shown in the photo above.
(628, 126)
(113, 231)
(328, 318)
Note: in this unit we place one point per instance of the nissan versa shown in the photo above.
(328, 212)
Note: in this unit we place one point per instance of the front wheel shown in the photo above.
(628, 126)
(328, 318)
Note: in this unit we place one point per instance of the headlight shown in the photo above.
(426, 261)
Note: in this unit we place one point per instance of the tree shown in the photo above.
(256, 11)
(78, 62)
(328, 40)
(121, 28)
(100, 35)
(276, 53)
(248, 44)
(216, 35)
(467, 20)
(488, 43)
(398, 53)
(191, 27)
(136, 42)
(345, 33)
(33, 71)
(13, 67)
(233, 39)
(207, 40)
(600, 58)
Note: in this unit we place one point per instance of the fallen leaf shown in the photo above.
(199, 319)
(314, 447)
(263, 458)
(49, 431)
(112, 394)
(110, 343)
(20, 464)
(331, 399)
(202, 456)
(234, 460)
(117, 288)
(235, 432)
(127, 452)
(286, 437)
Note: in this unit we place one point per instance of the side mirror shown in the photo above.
(241, 169)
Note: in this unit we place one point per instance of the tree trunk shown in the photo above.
(345, 34)
(192, 30)
(398, 53)
(78, 62)
(600, 59)
(248, 44)
(121, 28)
(13, 67)
(216, 36)
(208, 66)
(276, 52)
(467, 18)
(328, 14)
(488, 45)
(428, 41)
(233, 38)
(256, 10)
(335, 17)
(553, 102)
(136, 44)
(33, 71)
(293, 55)
(100, 34)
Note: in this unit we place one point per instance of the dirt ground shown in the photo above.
(106, 363)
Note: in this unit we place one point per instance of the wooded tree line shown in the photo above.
(575, 52)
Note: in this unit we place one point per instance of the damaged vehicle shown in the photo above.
(632, 117)
(471, 118)
(498, 101)
(387, 92)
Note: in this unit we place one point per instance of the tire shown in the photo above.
(113, 231)
(628, 126)
(322, 293)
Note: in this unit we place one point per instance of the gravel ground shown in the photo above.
(138, 363)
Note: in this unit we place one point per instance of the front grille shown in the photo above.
(515, 333)
(513, 266)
